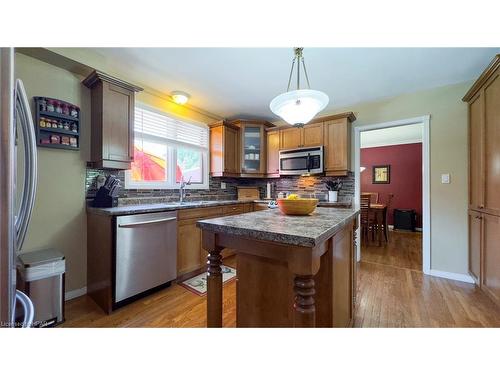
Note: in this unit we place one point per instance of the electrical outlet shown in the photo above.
(223, 185)
(445, 178)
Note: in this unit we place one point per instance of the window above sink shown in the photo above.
(167, 149)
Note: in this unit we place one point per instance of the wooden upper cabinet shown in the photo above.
(476, 147)
(484, 140)
(312, 135)
(224, 150)
(492, 144)
(290, 138)
(112, 139)
(337, 144)
(273, 147)
(307, 136)
(484, 179)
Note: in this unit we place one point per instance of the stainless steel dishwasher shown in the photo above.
(146, 252)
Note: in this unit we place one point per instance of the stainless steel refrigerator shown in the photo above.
(18, 179)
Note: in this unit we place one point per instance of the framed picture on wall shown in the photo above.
(381, 174)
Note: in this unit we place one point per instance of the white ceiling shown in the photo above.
(397, 135)
(240, 82)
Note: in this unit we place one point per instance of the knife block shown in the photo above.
(103, 199)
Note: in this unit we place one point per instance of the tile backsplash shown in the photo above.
(297, 184)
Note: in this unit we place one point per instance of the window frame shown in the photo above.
(170, 183)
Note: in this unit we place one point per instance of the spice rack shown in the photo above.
(57, 124)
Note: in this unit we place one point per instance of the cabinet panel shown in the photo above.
(290, 138)
(273, 146)
(118, 135)
(491, 256)
(231, 150)
(475, 245)
(342, 269)
(189, 256)
(475, 153)
(492, 145)
(337, 146)
(312, 135)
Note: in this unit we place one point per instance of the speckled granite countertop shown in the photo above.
(157, 207)
(272, 225)
(173, 206)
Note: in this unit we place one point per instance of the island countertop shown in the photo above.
(273, 225)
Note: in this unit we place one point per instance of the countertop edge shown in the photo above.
(286, 239)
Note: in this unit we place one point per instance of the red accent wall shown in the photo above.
(406, 176)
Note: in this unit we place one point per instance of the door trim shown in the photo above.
(426, 217)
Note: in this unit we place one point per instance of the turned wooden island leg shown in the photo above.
(305, 311)
(214, 288)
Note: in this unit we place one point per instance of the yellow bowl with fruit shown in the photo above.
(294, 205)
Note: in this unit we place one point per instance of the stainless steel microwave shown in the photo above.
(301, 161)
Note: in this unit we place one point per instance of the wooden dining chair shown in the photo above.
(373, 196)
(386, 213)
(366, 217)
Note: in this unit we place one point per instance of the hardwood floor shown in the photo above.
(389, 295)
(172, 307)
(403, 250)
(394, 292)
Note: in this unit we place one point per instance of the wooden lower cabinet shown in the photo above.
(491, 256)
(191, 256)
(188, 247)
(484, 252)
(475, 245)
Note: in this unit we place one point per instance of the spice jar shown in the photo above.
(73, 142)
(60, 124)
(54, 139)
(54, 124)
(43, 105)
(74, 128)
(65, 140)
(66, 126)
(50, 106)
(42, 122)
(74, 112)
(58, 107)
(65, 109)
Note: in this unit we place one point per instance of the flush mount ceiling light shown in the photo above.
(180, 97)
(299, 106)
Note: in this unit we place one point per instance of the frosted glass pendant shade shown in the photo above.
(298, 107)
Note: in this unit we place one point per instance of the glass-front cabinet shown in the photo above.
(253, 147)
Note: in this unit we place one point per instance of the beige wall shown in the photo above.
(59, 218)
(448, 147)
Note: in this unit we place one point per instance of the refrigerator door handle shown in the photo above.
(23, 113)
(29, 309)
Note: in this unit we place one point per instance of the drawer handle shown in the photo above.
(146, 222)
(480, 206)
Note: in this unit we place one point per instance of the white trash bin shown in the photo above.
(41, 277)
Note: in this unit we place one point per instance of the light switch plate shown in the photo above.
(445, 178)
(222, 185)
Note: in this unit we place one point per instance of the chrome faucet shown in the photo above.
(182, 188)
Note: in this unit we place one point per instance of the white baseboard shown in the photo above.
(452, 276)
(75, 293)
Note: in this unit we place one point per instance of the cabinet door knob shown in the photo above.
(481, 206)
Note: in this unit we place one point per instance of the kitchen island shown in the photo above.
(293, 271)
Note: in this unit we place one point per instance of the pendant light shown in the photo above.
(299, 106)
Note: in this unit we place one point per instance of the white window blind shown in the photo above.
(158, 125)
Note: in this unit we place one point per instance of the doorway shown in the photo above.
(383, 172)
